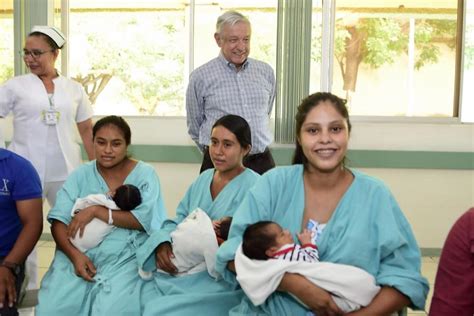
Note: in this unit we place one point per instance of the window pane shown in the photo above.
(60, 62)
(6, 40)
(141, 44)
(468, 77)
(396, 60)
(316, 49)
(147, 54)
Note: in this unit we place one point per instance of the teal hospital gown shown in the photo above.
(62, 292)
(367, 230)
(194, 294)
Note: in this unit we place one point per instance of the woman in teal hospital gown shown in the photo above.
(362, 224)
(218, 192)
(101, 281)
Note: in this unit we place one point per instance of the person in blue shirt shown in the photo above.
(100, 281)
(363, 225)
(21, 224)
(218, 192)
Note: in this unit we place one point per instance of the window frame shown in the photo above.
(31, 12)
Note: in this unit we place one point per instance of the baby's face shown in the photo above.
(282, 236)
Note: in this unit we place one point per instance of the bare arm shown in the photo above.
(305, 237)
(85, 130)
(317, 299)
(82, 264)
(124, 219)
(388, 301)
(163, 255)
(31, 217)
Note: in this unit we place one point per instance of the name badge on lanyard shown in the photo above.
(50, 116)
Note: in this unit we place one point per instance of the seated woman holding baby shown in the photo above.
(176, 288)
(354, 218)
(101, 280)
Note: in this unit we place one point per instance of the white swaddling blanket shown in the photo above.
(195, 244)
(351, 287)
(96, 230)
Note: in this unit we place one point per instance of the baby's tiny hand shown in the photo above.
(216, 224)
(305, 237)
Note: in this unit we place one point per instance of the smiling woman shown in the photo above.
(47, 109)
(364, 225)
(98, 281)
(323, 132)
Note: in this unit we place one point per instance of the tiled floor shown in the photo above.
(429, 266)
(45, 256)
(46, 253)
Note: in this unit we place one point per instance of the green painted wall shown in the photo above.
(356, 158)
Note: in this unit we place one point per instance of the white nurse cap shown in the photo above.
(53, 32)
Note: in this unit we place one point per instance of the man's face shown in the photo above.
(234, 41)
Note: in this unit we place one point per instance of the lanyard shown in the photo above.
(50, 99)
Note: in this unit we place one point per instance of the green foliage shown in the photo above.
(379, 41)
(469, 48)
(384, 39)
(6, 53)
(469, 56)
(6, 72)
(144, 51)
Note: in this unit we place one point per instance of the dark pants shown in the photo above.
(260, 163)
(7, 311)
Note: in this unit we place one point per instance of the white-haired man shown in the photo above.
(232, 83)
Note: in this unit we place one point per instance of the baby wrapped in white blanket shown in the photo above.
(194, 245)
(126, 197)
(350, 287)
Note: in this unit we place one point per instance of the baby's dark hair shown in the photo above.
(127, 197)
(257, 239)
(225, 227)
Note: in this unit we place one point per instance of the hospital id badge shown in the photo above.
(50, 117)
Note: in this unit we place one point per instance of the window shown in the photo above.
(390, 58)
(394, 58)
(468, 75)
(139, 44)
(6, 40)
(316, 47)
(147, 54)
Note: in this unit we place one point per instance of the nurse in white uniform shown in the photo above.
(47, 108)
